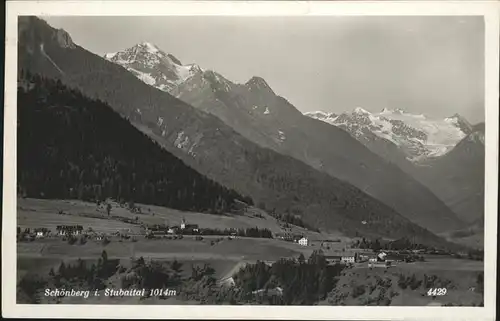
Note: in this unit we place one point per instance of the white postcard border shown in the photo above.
(488, 9)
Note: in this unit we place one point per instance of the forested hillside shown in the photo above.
(70, 146)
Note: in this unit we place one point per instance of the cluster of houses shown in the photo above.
(66, 230)
(62, 230)
(290, 237)
(342, 257)
(36, 232)
(380, 258)
(184, 228)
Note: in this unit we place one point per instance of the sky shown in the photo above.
(422, 64)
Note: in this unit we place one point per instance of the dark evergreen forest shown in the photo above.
(73, 147)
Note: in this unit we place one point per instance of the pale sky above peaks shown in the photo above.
(429, 65)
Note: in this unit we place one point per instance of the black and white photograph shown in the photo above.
(252, 160)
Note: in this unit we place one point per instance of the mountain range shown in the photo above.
(205, 136)
(416, 136)
(256, 112)
(446, 155)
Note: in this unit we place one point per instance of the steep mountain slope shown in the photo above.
(256, 112)
(416, 136)
(208, 145)
(458, 176)
(72, 147)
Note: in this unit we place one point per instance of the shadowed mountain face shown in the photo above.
(206, 144)
(85, 150)
(458, 176)
(257, 113)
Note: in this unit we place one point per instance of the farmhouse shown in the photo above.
(342, 257)
(189, 228)
(304, 241)
(332, 259)
(349, 258)
(69, 229)
(173, 230)
(41, 232)
(284, 236)
(381, 257)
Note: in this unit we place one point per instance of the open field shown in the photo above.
(237, 249)
(445, 263)
(223, 255)
(44, 213)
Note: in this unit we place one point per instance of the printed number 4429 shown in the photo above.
(436, 291)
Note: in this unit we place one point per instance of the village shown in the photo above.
(334, 250)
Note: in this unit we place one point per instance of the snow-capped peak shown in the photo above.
(460, 122)
(153, 66)
(399, 111)
(150, 47)
(359, 110)
(318, 114)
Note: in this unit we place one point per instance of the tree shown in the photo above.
(62, 269)
(176, 266)
(104, 256)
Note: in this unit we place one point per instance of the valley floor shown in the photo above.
(225, 255)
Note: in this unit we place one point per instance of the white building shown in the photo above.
(372, 260)
(382, 256)
(348, 259)
(303, 241)
(39, 234)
